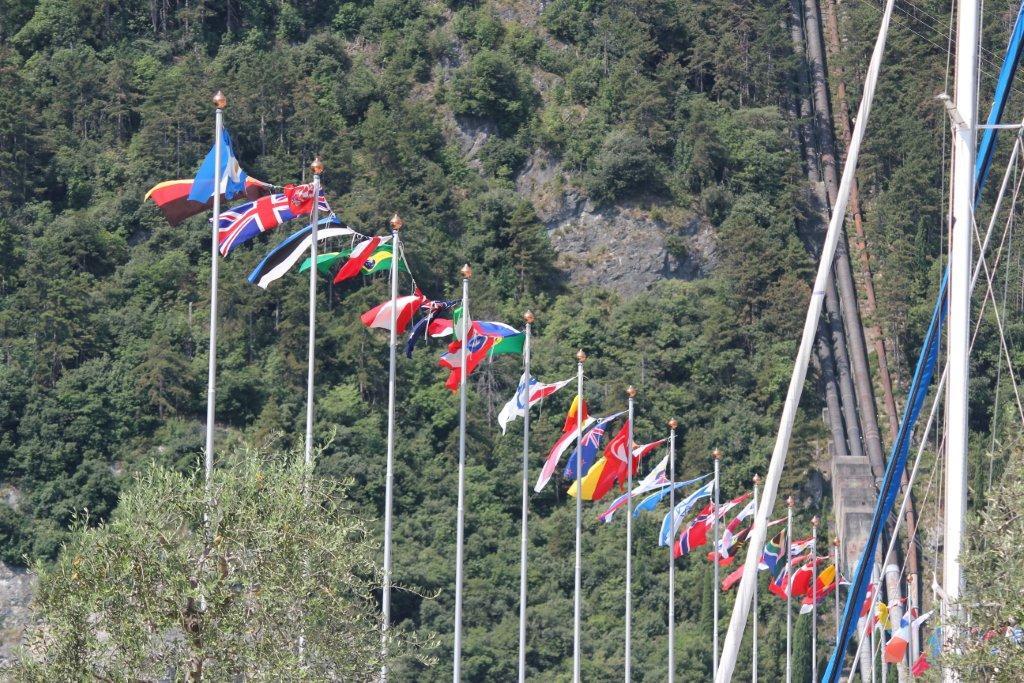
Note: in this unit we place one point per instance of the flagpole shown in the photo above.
(578, 587)
(911, 605)
(220, 102)
(317, 167)
(814, 597)
(467, 273)
(753, 678)
(389, 477)
(839, 574)
(789, 583)
(631, 392)
(524, 540)
(717, 455)
(672, 424)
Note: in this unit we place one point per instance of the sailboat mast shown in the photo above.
(965, 132)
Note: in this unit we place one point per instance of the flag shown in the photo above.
(171, 197)
(324, 262)
(695, 534)
(654, 479)
(896, 647)
(726, 554)
(772, 553)
(243, 222)
(380, 261)
(582, 458)
(520, 403)
(564, 441)
(880, 619)
(729, 537)
(649, 503)
(485, 340)
(600, 476)
(357, 258)
(733, 578)
(780, 584)
(232, 177)
(824, 586)
(920, 665)
(800, 582)
(799, 547)
(285, 255)
(380, 315)
(426, 325)
(571, 417)
(672, 519)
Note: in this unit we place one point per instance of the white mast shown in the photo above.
(219, 102)
(965, 132)
(317, 167)
(631, 392)
(524, 538)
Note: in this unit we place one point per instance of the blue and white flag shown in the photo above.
(670, 524)
(650, 502)
(232, 177)
(517, 405)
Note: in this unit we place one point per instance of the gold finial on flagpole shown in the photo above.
(673, 423)
(757, 479)
(466, 271)
(631, 391)
(528, 317)
(396, 222)
(815, 521)
(219, 100)
(790, 502)
(716, 454)
(580, 356)
(317, 166)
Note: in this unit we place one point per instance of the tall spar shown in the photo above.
(524, 539)
(835, 560)
(789, 598)
(219, 101)
(965, 134)
(467, 273)
(753, 641)
(672, 425)
(717, 455)
(578, 576)
(389, 477)
(631, 392)
(317, 167)
(814, 598)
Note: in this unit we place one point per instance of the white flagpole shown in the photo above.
(717, 455)
(578, 587)
(389, 477)
(839, 574)
(467, 273)
(814, 598)
(524, 540)
(219, 102)
(789, 584)
(317, 167)
(631, 392)
(753, 669)
(672, 425)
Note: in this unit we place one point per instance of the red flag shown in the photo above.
(615, 463)
(570, 417)
(171, 197)
(733, 578)
(920, 665)
(356, 259)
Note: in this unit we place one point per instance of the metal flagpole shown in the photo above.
(631, 392)
(839, 574)
(672, 425)
(789, 597)
(576, 604)
(717, 455)
(753, 669)
(317, 167)
(528, 318)
(814, 597)
(219, 102)
(389, 477)
(965, 133)
(467, 273)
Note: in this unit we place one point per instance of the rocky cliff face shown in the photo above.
(16, 586)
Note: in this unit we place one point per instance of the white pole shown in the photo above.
(814, 598)
(467, 273)
(389, 477)
(317, 167)
(631, 392)
(672, 425)
(741, 609)
(211, 379)
(578, 583)
(962, 189)
(839, 574)
(717, 455)
(753, 676)
(523, 542)
(789, 584)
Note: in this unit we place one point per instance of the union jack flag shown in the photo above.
(245, 221)
(589, 445)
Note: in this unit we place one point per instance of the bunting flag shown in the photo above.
(896, 648)
(671, 522)
(171, 197)
(920, 665)
(285, 255)
(357, 258)
(653, 480)
(243, 222)
(824, 586)
(524, 398)
(880, 619)
(232, 177)
(569, 435)
(582, 458)
(380, 315)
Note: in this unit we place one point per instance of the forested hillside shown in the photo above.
(532, 140)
